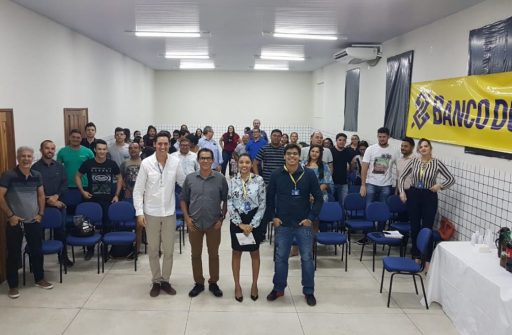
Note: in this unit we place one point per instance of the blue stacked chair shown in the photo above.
(120, 215)
(408, 266)
(331, 215)
(355, 220)
(71, 198)
(52, 219)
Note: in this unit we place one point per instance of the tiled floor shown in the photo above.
(118, 301)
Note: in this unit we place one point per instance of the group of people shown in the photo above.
(272, 179)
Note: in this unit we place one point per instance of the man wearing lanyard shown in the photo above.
(154, 202)
(289, 207)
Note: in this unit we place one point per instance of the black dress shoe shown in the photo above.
(215, 289)
(198, 288)
(273, 295)
(167, 288)
(310, 299)
(240, 298)
(155, 290)
(254, 297)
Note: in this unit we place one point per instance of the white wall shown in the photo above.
(222, 97)
(440, 51)
(45, 67)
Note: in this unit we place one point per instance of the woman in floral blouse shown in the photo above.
(246, 206)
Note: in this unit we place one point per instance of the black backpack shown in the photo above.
(82, 227)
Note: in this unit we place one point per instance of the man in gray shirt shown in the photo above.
(201, 197)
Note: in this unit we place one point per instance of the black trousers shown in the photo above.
(422, 208)
(14, 237)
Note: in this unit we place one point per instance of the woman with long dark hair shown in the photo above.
(321, 169)
(228, 143)
(150, 137)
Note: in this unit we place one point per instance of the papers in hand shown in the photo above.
(392, 234)
(245, 239)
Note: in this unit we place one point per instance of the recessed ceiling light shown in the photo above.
(306, 36)
(271, 66)
(185, 65)
(166, 34)
(281, 57)
(180, 55)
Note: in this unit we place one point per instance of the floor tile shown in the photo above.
(37, 321)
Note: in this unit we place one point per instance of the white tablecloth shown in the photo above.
(475, 292)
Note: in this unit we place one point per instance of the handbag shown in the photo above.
(82, 227)
(446, 229)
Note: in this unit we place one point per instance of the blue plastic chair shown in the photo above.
(355, 220)
(52, 219)
(332, 214)
(408, 266)
(71, 198)
(119, 214)
(397, 209)
(93, 212)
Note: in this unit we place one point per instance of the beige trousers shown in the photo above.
(160, 230)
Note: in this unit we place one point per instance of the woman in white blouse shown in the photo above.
(246, 206)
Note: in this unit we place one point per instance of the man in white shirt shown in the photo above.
(155, 206)
(208, 142)
(187, 158)
(317, 138)
(376, 170)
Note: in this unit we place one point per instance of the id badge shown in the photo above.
(421, 185)
(247, 207)
(295, 192)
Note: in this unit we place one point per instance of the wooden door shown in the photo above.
(7, 161)
(75, 118)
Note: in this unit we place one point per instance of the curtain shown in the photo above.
(398, 86)
(351, 99)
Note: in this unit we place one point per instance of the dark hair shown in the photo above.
(100, 141)
(198, 129)
(90, 124)
(330, 140)
(383, 130)
(204, 150)
(44, 142)
(319, 162)
(408, 140)
(247, 129)
(184, 127)
(231, 126)
(118, 129)
(176, 131)
(163, 133)
(338, 135)
(245, 154)
(363, 143)
(75, 131)
(127, 133)
(137, 139)
(424, 140)
(291, 146)
(184, 132)
(192, 138)
(276, 131)
(149, 128)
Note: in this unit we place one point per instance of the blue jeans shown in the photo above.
(283, 240)
(340, 193)
(377, 193)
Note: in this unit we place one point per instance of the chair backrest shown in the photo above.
(121, 211)
(354, 202)
(52, 218)
(423, 240)
(377, 212)
(91, 210)
(354, 188)
(396, 205)
(331, 212)
(71, 197)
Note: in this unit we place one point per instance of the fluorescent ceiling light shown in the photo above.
(183, 55)
(306, 36)
(271, 67)
(281, 57)
(166, 34)
(196, 65)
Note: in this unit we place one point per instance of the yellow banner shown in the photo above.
(473, 111)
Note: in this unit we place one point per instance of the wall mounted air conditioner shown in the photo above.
(359, 53)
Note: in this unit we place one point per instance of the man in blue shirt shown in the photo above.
(289, 207)
(255, 144)
(208, 142)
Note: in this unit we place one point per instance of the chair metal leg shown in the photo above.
(98, 257)
(342, 251)
(73, 253)
(23, 263)
(349, 242)
(103, 252)
(390, 287)
(179, 234)
(315, 252)
(346, 257)
(423, 289)
(59, 259)
(362, 249)
(389, 249)
(382, 278)
(335, 250)
(135, 257)
(415, 286)
(373, 256)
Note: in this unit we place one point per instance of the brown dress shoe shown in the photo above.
(155, 290)
(167, 288)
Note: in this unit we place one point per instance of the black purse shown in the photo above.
(82, 227)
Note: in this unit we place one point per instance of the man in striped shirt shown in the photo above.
(270, 156)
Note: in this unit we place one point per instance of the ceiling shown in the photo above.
(233, 28)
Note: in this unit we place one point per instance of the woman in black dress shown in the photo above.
(246, 206)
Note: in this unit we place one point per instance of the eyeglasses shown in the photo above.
(205, 159)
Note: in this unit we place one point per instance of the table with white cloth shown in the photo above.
(474, 290)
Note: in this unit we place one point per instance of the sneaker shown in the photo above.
(89, 254)
(310, 299)
(273, 295)
(44, 284)
(155, 290)
(362, 241)
(14, 293)
(215, 289)
(198, 288)
(167, 288)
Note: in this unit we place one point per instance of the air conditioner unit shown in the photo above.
(359, 53)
